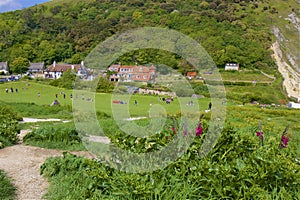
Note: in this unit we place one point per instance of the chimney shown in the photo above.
(54, 63)
(82, 63)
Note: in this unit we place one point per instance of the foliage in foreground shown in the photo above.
(8, 126)
(57, 136)
(238, 167)
(7, 189)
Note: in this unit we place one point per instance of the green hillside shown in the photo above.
(231, 31)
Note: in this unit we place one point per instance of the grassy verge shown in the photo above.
(55, 136)
(7, 189)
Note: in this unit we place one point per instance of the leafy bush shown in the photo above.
(105, 86)
(65, 81)
(8, 126)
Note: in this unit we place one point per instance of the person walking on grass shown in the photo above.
(209, 106)
(135, 102)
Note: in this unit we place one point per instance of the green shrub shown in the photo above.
(8, 126)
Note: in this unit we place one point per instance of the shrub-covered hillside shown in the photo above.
(231, 31)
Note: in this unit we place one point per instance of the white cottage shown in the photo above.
(232, 66)
(55, 70)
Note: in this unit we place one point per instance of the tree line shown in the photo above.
(231, 31)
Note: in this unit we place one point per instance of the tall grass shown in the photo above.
(56, 136)
(7, 189)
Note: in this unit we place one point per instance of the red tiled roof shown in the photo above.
(192, 74)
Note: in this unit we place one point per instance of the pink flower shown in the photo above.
(199, 130)
(185, 132)
(260, 134)
(284, 141)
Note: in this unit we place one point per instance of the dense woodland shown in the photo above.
(66, 31)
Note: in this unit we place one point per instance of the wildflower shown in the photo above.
(185, 129)
(284, 141)
(260, 134)
(199, 130)
(173, 129)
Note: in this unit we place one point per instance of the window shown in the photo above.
(145, 76)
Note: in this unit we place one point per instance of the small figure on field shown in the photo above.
(6, 90)
(39, 94)
(55, 102)
(135, 102)
(209, 106)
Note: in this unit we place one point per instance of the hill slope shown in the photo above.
(231, 31)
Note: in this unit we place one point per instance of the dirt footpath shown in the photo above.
(22, 163)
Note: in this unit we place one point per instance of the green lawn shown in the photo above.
(28, 93)
(246, 76)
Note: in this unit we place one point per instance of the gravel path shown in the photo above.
(22, 163)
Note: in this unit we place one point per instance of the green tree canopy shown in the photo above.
(19, 65)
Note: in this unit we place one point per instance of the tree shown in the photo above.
(19, 65)
(66, 80)
(105, 85)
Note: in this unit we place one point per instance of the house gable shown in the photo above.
(4, 67)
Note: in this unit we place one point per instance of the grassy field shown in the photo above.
(245, 118)
(246, 76)
(28, 93)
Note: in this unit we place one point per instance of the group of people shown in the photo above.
(11, 90)
(167, 100)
